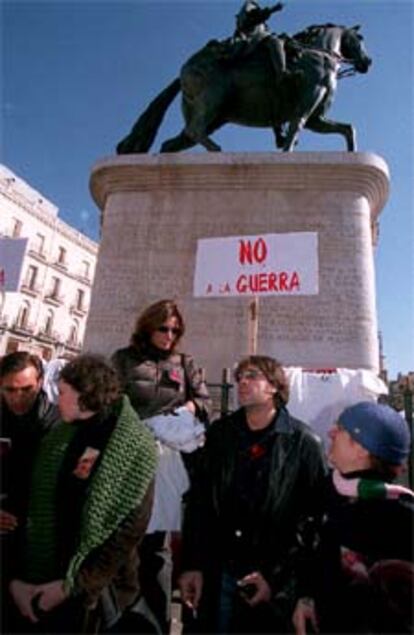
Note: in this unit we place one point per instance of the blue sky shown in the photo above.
(76, 74)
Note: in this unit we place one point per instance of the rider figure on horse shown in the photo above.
(251, 29)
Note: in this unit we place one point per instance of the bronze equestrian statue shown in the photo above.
(259, 80)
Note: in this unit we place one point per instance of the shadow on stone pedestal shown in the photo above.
(155, 208)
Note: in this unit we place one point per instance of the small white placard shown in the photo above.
(267, 264)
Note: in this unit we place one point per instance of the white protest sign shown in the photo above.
(263, 265)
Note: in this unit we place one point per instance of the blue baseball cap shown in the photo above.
(379, 429)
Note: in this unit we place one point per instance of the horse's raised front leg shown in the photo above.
(327, 126)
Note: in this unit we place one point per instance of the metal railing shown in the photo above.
(222, 395)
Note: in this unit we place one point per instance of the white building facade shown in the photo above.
(46, 274)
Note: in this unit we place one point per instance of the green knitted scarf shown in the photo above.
(117, 487)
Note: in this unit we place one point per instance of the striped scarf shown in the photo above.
(117, 487)
(369, 489)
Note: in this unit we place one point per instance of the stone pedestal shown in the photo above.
(155, 208)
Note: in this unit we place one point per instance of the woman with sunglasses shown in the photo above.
(155, 376)
(168, 391)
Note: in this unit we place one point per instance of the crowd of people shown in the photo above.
(125, 489)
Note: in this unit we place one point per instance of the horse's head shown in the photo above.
(353, 49)
(340, 40)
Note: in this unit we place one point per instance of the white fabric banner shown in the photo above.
(319, 397)
(12, 252)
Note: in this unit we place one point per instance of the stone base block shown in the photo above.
(155, 208)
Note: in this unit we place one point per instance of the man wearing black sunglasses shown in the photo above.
(248, 508)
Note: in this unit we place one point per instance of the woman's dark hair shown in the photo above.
(151, 319)
(94, 379)
(273, 371)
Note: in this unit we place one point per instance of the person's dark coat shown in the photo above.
(156, 382)
(358, 534)
(249, 502)
(25, 432)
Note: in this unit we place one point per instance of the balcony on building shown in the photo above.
(23, 328)
(61, 260)
(54, 295)
(84, 273)
(79, 310)
(47, 335)
(79, 306)
(38, 255)
(54, 299)
(29, 284)
(31, 290)
(73, 344)
(37, 247)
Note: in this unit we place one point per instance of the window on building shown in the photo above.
(73, 333)
(24, 314)
(62, 256)
(17, 228)
(54, 292)
(31, 277)
(80, 299)
(86, 268)
(49, 323)
(39, 243)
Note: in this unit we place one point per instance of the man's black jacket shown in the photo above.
(285, 497)
(24, 432)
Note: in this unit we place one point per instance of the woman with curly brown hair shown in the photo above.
(167, 390)
(89, 505)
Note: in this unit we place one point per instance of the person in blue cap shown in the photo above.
(361, 578)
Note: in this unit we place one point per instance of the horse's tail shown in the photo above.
(145, 128)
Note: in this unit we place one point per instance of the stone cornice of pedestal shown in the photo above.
(365, 174)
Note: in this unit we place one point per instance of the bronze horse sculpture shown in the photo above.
(219, 89)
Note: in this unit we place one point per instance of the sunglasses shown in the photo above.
(248, 374)
(167, 329)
